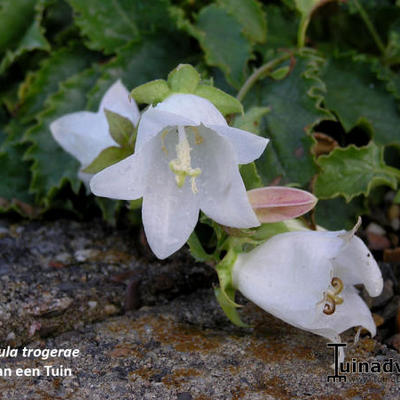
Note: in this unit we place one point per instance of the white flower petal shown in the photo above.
(82, 134)
(289, 276)
(286, 274)
(154, 121)
(248, 146)
(352, 312)
(117, 99)
(169, 213)
(193, 107)
(231, 207)
(221, 189)
(355, 264)
(127, 179)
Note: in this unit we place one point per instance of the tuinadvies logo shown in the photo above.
(388, 366)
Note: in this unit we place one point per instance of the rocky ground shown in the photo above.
(152, 330)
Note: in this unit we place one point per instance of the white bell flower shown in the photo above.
(85, 134)
(307, 279)
(186, 159)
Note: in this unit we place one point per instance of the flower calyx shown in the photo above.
(124, 134)
(185, 79)
(225, 293)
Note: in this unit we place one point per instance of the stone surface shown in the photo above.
(187, 350)
(176, 344)
(56, 276)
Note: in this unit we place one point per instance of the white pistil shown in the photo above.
(181, 166)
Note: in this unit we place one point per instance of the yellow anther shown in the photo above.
(198, 139)
(163, 134)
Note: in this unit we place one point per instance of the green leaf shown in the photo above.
(278, 17)
(295, 109)
(59, 23)
(141, 62)
(52, 166)
(250, 176)
(20, 29)
(396, 199)
(8, 93)
(15, 16)
(227, 307)
(107, 157)
(250, 15)
(390, 78)
(225, 103)
(392, 52)
(356, 96)
(14, 179)
(225, 294)
(267, 231)
(38, 85)
(121, 128)
(109, 208)
(251, 120)
(223, 42)
(183, 79)
(110, 25)
(306, 6)
(151, 92)
(3, 122)
(336, 214)
(352, 171)
(15, 174)
(197, 249)
(224, 270)
(280, 73)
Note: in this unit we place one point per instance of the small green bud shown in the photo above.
(225, 103)
(151, 92)
(183, 79)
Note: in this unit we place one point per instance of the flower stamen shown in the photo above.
(181, 166)
(198, 139)
(163, 147)
(330, 304)
(337, 284)
(331, 298)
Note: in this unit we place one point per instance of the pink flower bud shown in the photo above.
(279, 203)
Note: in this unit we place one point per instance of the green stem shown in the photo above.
(253, 78)
(301, 34)
(370, 26)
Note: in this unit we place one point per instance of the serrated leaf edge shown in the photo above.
(370, 185)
